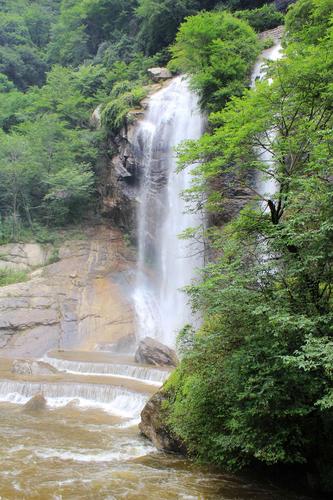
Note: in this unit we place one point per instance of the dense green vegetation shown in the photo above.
(257, 386)
(59, 60)
(218, 50)
(263, 18)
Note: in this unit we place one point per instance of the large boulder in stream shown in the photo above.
(154, 427)
(152, 352)
(36, 403)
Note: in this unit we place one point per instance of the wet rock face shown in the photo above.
(153, 426)
(30, 367)
(119, 181)
(36, 403)
(152, 352)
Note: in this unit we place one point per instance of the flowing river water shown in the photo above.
(85, 443)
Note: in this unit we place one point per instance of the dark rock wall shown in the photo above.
(119, 178)
(283, 4)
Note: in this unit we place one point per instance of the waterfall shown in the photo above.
(266, 185)
(165, 263)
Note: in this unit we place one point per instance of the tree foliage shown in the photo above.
(25, 29)
(257, 386)
(263, 18)
(218, 50)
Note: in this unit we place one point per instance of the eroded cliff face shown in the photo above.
(121, 168)
(79, 301)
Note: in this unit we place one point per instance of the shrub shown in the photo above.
(265, 18)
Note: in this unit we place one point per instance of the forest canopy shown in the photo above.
(60, 60)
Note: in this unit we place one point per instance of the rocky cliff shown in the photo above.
(81, 300)
(121, 168)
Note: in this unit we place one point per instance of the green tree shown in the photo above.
(17, 175)
(218, 51)
(257, 386)
(263, 18)
(159, 21)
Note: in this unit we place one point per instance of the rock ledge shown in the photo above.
(153, 426)
(158, 74)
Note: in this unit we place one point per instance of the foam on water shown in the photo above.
(96, 456)
(114, 400)
(148, 375)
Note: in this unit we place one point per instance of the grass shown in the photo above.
(8, 277)
(54, 257)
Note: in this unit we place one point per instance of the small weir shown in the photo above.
(112, 399)
(132, 372)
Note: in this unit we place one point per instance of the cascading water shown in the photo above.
(135, 372)
(266, 185)
(165, 263)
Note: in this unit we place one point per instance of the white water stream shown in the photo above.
(112, 399)
(165, 263)
(266, 184)
(132, 372)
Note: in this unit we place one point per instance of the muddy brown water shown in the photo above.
(86, 443)
(68, 453)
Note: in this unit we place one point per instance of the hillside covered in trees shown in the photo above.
(59, 60)
(254, 388)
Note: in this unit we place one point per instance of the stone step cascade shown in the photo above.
(112, 383)
(122, 370)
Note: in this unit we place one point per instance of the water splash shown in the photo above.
(114, 400)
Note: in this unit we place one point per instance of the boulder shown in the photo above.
(152, 352)
(31, 367)
(36, 403)
(96, 117)
(153, 426)
(158, 74)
